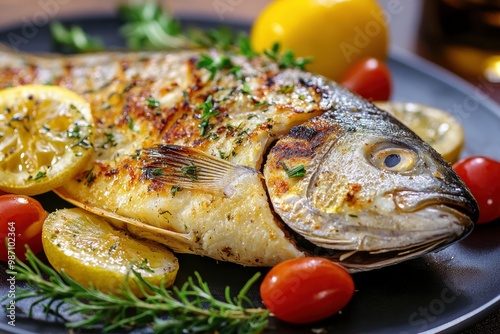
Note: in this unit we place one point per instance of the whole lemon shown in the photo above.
(334, 33)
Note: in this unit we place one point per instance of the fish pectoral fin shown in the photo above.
(192, 169)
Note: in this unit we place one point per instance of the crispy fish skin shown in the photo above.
(240, 228)
(143, 100)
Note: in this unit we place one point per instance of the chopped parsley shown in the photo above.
(246, 89)
(152, 102)
(295, 172)
(208, 110)
(286, 59)
(157, 171)
(174, 190)
(190, 171)
(214, 65)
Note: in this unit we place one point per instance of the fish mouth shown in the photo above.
(459, 210)
(362, 260)
(464, 206)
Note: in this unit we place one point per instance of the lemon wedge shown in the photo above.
(94, 253)
(45, 137)
(437, 127)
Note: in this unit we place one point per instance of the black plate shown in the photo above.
(446, 291)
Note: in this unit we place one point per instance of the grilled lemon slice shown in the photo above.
(435, 126)
(45, 137)
(92, 252)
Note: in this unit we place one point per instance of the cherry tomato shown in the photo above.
(482, 176)
(370, 78)
(21, 219)
(307, 289)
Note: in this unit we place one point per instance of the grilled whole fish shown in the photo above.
(252, 163)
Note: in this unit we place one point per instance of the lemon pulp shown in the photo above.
(94, 253)
(45, 137)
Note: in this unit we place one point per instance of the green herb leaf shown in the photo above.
(73, 39)
(190, 171)
(152, 102)
(174, 190)
(214, 65)
(208, 111)
(148, 27)
(286, 59)
(298, 171)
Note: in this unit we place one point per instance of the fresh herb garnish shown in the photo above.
(73, 39)
(221, 37)
(148, 27)
(110, 140)
(298, 171)
(166, 310)
(286, 59)
(214, 65)
(174, 190)
(40, 175)
(190, 171)
(246, 89)
(208, 110)
(152, 102)
(157, 171)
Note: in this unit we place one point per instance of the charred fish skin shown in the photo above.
(221, 210)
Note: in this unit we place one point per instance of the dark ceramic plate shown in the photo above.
(446, 291)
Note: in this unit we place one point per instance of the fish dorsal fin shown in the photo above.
(191, 169)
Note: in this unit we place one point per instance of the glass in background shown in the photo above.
(463, 36)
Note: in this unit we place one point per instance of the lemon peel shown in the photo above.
(94, 253)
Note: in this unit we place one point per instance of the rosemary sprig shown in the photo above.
(192, 306)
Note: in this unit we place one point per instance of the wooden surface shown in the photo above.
(404, 28)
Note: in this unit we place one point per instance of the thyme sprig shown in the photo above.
(192, 306)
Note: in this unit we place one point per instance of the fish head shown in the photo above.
(373, 192)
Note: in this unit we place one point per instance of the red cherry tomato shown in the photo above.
(370, 78)
(482, 176)
(307, 289)
(21, 219)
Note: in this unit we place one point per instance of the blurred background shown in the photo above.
(461, 35)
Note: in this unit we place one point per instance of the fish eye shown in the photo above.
(392, 160)
(395, 159)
